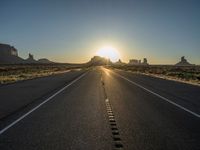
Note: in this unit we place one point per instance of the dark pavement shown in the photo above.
(14, 97)
(77, 118)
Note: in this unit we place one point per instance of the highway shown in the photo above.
(99, 109)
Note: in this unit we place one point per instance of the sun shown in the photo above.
(109, 53)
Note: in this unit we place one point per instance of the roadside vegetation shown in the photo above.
(13, 73)
(187, 74)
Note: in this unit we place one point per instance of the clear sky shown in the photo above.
(73, 30)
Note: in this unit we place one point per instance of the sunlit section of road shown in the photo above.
(107, 71)
(103, 109)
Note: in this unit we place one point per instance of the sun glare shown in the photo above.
(109, 52)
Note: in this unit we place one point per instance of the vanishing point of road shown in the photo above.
(99, 109)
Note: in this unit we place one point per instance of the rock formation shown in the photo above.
(183, 62)
(9, 55)
(44, 61)
(138, 62)
(30, 59)
(97, 61)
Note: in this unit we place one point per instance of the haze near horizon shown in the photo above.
(75, 31)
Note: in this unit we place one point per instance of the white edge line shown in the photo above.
(156, 94)
(38, 106)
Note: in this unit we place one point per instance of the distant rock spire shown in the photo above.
(30, 56)
(183, 62)
(30, 59)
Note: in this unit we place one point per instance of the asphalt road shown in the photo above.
(14, 97)
(101, 110)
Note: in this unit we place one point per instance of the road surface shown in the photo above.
(100, 109)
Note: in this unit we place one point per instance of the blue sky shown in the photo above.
(72, 31)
